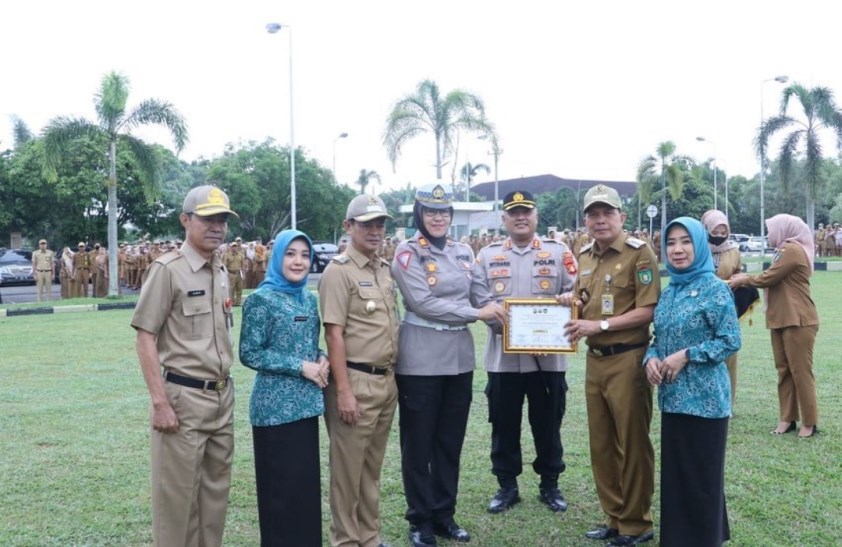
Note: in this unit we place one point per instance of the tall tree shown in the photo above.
(427, 111)
(666, 167)
(115, 123)
(819, 115)
(468, 173)
(365, 178)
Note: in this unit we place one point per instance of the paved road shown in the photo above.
(18, 294)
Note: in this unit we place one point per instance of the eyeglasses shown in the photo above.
(433, 213)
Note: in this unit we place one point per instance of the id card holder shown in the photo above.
(607, 304)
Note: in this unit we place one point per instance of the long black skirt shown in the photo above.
(287, 473)
(693, 481)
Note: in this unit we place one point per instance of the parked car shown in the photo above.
(739, 238)
(324, 253)
(16, 267)
(754, 244)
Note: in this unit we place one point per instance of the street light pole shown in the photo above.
(273, 28)
(342, 135)
(713, 162)
(780, 80)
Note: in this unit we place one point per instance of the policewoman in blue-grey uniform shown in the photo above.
(435, 365)
(525, 266)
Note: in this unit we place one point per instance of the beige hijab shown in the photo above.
(785, 228)
(713, 218)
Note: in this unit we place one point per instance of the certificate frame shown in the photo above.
(550, 314)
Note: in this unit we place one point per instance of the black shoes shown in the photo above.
(504, 499)
(602, 533)
(452, 531)
(421, 537)
(632, 540)
(553, 499)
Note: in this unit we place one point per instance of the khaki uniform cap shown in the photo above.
(206, 201)
(602, 194)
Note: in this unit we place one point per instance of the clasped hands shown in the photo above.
(318, 372)
(658, 371)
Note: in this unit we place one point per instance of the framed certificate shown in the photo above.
(536, 325)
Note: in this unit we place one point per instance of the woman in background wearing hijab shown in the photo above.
(280, 340)
(435, 365)
(792, 320)
(727, 261)
(696, 329)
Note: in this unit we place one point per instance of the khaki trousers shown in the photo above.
(80, 282)
(236, 287)
(191, 469)
(619, 401)
(44, 280)
(792, 348)
(356, 458)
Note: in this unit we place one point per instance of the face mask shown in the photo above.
(717, 240)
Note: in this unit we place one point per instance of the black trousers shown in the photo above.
(546, 393)
(287, 473)
(693, 509)
(433, 419)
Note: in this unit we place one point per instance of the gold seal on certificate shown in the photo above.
(536, 325)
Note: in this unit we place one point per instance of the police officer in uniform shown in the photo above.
(183, 319)
(233, 261)
(435, 364)
(44, 265)
(525, 266)
(616, 292)
(359, 312)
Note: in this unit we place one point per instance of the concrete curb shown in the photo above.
(69, 309)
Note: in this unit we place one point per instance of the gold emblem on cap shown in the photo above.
(438, 192)
(216, 196)
(517, 197)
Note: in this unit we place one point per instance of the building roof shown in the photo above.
(541, 184)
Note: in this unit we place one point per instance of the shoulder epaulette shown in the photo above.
(634, 242)
(495, 244)
(340, 259)
(166, 258)
(586, 247)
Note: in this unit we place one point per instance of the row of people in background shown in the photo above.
(828, 240)
(426, 368)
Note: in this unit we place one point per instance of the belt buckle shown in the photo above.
(220, 384)
(597, 352)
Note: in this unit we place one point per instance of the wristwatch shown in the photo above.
(603, 325)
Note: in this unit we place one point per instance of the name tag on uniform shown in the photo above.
(366, 284)
(195, 293)
(299, 318)
(607, 304)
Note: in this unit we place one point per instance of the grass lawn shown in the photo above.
(75, 455)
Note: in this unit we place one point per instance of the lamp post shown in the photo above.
(713, 161)
(273, 28)
(780, 80)
(342, 135)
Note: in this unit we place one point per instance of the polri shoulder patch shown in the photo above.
(403, 259)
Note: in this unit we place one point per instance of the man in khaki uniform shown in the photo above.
(233, 261)
(359, 311)
(388, 250)
(183, 319)
(261, 258)
(81, 271)
(616, 292)
(44, 267)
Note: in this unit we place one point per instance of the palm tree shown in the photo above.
(820, 114)
(468, 173)
(667, 167)
(426, 111)
(365, 178)
(114, 124)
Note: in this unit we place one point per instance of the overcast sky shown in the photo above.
(578, 90)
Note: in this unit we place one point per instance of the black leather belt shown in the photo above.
(616, 349)
(205, 385)
(379, 371)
